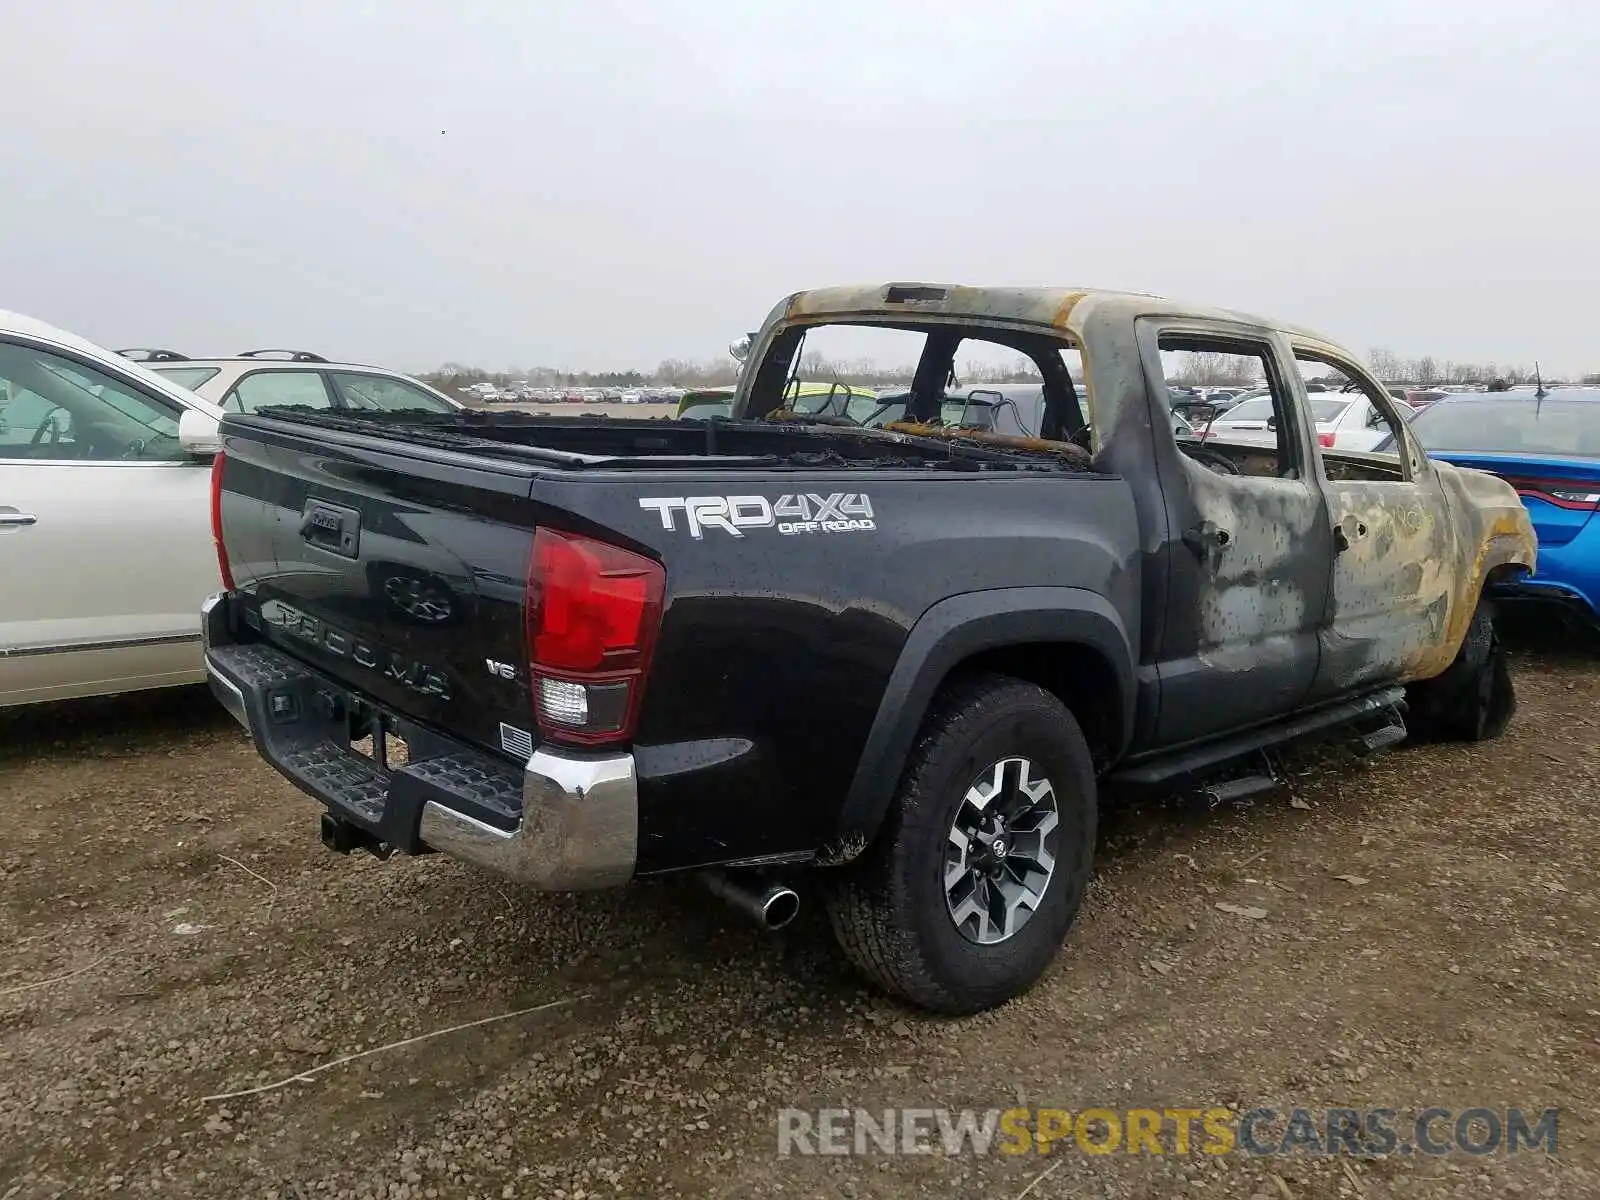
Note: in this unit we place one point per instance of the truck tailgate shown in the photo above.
(338, 549)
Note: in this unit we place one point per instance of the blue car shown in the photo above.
(1547, 446)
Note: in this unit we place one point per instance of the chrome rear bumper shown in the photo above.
(576, 825)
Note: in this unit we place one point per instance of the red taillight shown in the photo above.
(1579, 498)
(1325, 440)
(216, 521)
(593, 613)
(1563, 493)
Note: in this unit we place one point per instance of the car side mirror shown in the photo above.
(1376, 418)
(199, 435)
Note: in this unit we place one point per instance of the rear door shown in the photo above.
(1248, 576)
(105, 545)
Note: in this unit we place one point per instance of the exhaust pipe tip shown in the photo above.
(770, 905)
(782, 906)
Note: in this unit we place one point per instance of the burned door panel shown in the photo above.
(1248, 593)
(1395, 581)
(1249, 559)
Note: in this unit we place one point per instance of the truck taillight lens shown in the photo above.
(593, 613)
(1325, 440)
(216, 521)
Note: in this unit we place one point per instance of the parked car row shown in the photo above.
(1344, 420)
(515, 392)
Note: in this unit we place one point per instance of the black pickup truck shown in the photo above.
(904, 651)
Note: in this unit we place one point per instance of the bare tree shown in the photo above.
(1386, 363)
(1201, 368)
(1245, 369)
(1211, 368)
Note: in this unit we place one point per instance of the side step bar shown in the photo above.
(1170, 766)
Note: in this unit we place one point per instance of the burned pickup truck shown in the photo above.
(896, 652)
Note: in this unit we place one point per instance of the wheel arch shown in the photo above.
(1069, 641)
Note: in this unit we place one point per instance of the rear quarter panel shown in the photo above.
(776, 646)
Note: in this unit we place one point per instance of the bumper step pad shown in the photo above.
(300, 722)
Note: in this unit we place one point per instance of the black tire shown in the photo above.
(889, 909)
(1474, 699)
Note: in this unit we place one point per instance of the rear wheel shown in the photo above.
(1473, 701)
(981, 865)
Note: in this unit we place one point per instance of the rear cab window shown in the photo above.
(875, 373)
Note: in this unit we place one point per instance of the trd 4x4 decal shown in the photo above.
(842, 512)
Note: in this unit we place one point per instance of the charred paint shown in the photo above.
(1066, 450)
(1346, 577)
(1493, 532)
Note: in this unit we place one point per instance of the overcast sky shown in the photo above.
(600, 184)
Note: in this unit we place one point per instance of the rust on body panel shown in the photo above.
(1067, 450)
(1493, 533)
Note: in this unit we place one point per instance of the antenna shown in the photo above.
(1539, 379)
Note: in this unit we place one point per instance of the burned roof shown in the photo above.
(1066, 309)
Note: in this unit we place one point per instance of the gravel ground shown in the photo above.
(172, 930)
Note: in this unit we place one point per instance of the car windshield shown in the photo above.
(1501, 424)
(1327, 411)
(188, 377)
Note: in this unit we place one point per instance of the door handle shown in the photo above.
(1204, 538)
(12, 518)
(1342, 537)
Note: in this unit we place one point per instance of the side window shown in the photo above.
(189, 377)
(54, 408)
(1352, 411)
(278, 389)
(25, 414)
(1235, 403)
(383, 393)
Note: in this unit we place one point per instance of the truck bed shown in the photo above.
(579, 442)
